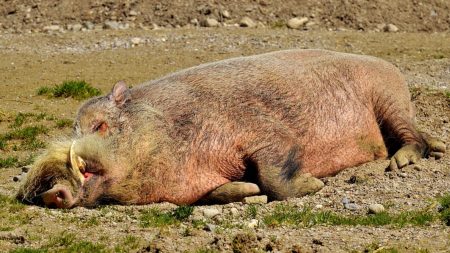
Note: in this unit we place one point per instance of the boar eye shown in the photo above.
(101, 127)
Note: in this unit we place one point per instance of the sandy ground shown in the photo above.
(30, 61)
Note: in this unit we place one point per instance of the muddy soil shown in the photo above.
(30, 61)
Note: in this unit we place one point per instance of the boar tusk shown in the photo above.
(77, 164)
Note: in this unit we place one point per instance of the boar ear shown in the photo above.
(120, 94)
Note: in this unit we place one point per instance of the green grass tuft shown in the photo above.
(20, 119)
(251, 211)
(182, 212)
(8, 162)
(62, 123)
(27, 136)
(156, 218)
(288, 215)
(445, 209)
(76, 89)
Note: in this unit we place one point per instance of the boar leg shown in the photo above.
(230, 192)
(411, 153)
(277, 187)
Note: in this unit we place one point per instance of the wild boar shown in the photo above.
(279, 120)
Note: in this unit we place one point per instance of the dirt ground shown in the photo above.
(102, 57)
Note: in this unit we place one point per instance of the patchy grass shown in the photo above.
(444, 212)
(155, 218)
(13, 161)
(20, 119)
(129, 244)
(288, 215)
(27, 137)
(251, 211)
(8, 162)
(63, 123)
(75, 89)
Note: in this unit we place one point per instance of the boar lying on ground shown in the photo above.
(279, 120)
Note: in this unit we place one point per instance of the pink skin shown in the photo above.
(60, 197)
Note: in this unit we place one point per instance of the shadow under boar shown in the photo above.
(279, 120)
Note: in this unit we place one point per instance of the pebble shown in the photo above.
(210, 227)
(225, 13)
(391, 28)
(376, 208)
(17, 178)
(210, 212)
(261, 199)
(253, 223)
(234, 211)
(210, 22)
(113, 25)
(345, 200)
(296, 23)
(136, 41)
(351, 206)
(133, 13)
(25, 169)
(402, 174)
(74, 27)
(88, 25)
(51, 28)
(194, 21)
(319, 206)
(247, 22)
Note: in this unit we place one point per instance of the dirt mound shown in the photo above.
(412, 15)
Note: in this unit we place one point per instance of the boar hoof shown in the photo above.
(406, 155)
(435, 146)
(231, 192)
(305, 184)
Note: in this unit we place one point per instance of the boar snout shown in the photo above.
(57, 197)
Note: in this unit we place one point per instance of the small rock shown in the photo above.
(261, 199)
(225, 13)
(88, 25)
(136, 41)
(391, 28)
(345, 200)
(417, 167)
(17, 178)
(210, 227)
(253, 223)
(113, 25)
(296, 23)
(124, 26)
(402, 174)
(108, 215)
(234, 211)
(155, 26)
(75, 27)
(247, 22)
(133, 13)
(51, 28)
(25, 169)
(194, 21)
(210, 212)
(376, 208)
(351, 180)
(210, 22)
(351, 206)
(319, 206)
